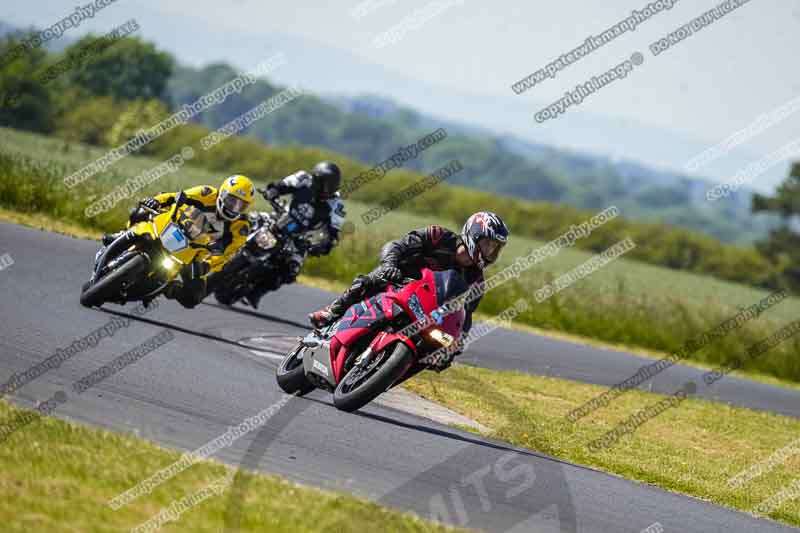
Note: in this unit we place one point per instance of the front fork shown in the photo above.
(113, 250)
(365, 358)
(415, 369)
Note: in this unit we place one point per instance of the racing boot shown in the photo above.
(254, 297)
(270, 281)
(360, 288)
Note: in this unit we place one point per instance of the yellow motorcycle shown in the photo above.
(142, 262)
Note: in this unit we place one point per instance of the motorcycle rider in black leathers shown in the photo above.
(315, 204)
(479, 245)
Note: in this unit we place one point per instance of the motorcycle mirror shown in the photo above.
(180, 199)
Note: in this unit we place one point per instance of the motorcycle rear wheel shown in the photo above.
(109, 285)
(291, 376)
(350, 396)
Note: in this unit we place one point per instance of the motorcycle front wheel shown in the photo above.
(110, 285)
(362, 385)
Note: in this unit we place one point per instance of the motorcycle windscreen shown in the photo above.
(449, 284)
(193, 222)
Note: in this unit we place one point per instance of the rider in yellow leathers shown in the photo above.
(226, 228)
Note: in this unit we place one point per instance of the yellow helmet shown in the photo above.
(234, 196)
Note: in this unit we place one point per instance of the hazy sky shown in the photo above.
(705, 88)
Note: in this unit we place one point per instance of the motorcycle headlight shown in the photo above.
(169, 264)
(265, 239)
(439, 337)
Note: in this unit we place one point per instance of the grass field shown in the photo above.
(626, 302)
(694, 448)
(58, 477)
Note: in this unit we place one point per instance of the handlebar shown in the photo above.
(400, 284)
(277, 206)
(148, 209)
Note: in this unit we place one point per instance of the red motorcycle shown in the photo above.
(378, 343)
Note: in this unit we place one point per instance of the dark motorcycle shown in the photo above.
(276, 248)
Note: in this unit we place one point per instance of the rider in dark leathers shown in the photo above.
(315, 204)
(479, 245)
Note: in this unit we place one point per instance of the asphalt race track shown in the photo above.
(208, 378)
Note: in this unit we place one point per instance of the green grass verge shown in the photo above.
(625, 303)
(693, 449)
(59, 476)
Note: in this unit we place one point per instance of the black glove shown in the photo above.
(323, 248)
(445, 358)
(150, 203)
(270, 192)
(442, 362)
(390, 274)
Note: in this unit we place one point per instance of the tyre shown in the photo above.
(109, 285)
(361, 386)
(291, 376)
(227, 291)
(224, 297)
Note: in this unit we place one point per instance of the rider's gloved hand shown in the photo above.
(390, 274)
(442, 363)
(150, 203)
(270, 192)
(323, 248)
(444, 360)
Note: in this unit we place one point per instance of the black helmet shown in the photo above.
(326, 179)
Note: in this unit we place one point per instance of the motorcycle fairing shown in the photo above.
(386, 338)
(154, 228)
(358, 319)
(414, 298)
(356, 322)
(317, 359)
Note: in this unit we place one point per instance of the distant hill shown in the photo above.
(371, 128)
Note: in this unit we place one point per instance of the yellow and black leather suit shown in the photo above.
(227, 236)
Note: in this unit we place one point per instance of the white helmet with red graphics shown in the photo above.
(484, 234)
